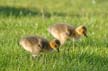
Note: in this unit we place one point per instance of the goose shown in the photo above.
(62, 32)
(36, 44)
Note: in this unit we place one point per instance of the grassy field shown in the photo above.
(20, 18)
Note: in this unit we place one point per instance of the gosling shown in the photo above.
(62, 32)
(36, 44)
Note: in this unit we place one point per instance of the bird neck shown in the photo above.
(75, 34)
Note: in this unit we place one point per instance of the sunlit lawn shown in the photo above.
(20, 18)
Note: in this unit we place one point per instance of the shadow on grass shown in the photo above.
(20, 11)
(12, 11)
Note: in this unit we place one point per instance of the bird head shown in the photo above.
(55, 44)
(81, 31)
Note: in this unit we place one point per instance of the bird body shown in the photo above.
(62, 32)
(36, 44)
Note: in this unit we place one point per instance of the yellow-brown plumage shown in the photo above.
(35, 44)
(62, 32)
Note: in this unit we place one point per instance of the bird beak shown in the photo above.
(85, 35)
(57, 49)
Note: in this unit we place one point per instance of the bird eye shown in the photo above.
(83, 32)
(55, 45)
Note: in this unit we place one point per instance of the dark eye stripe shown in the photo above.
(84, 28)
(55, 45)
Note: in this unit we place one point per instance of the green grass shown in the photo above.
(20, 18)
